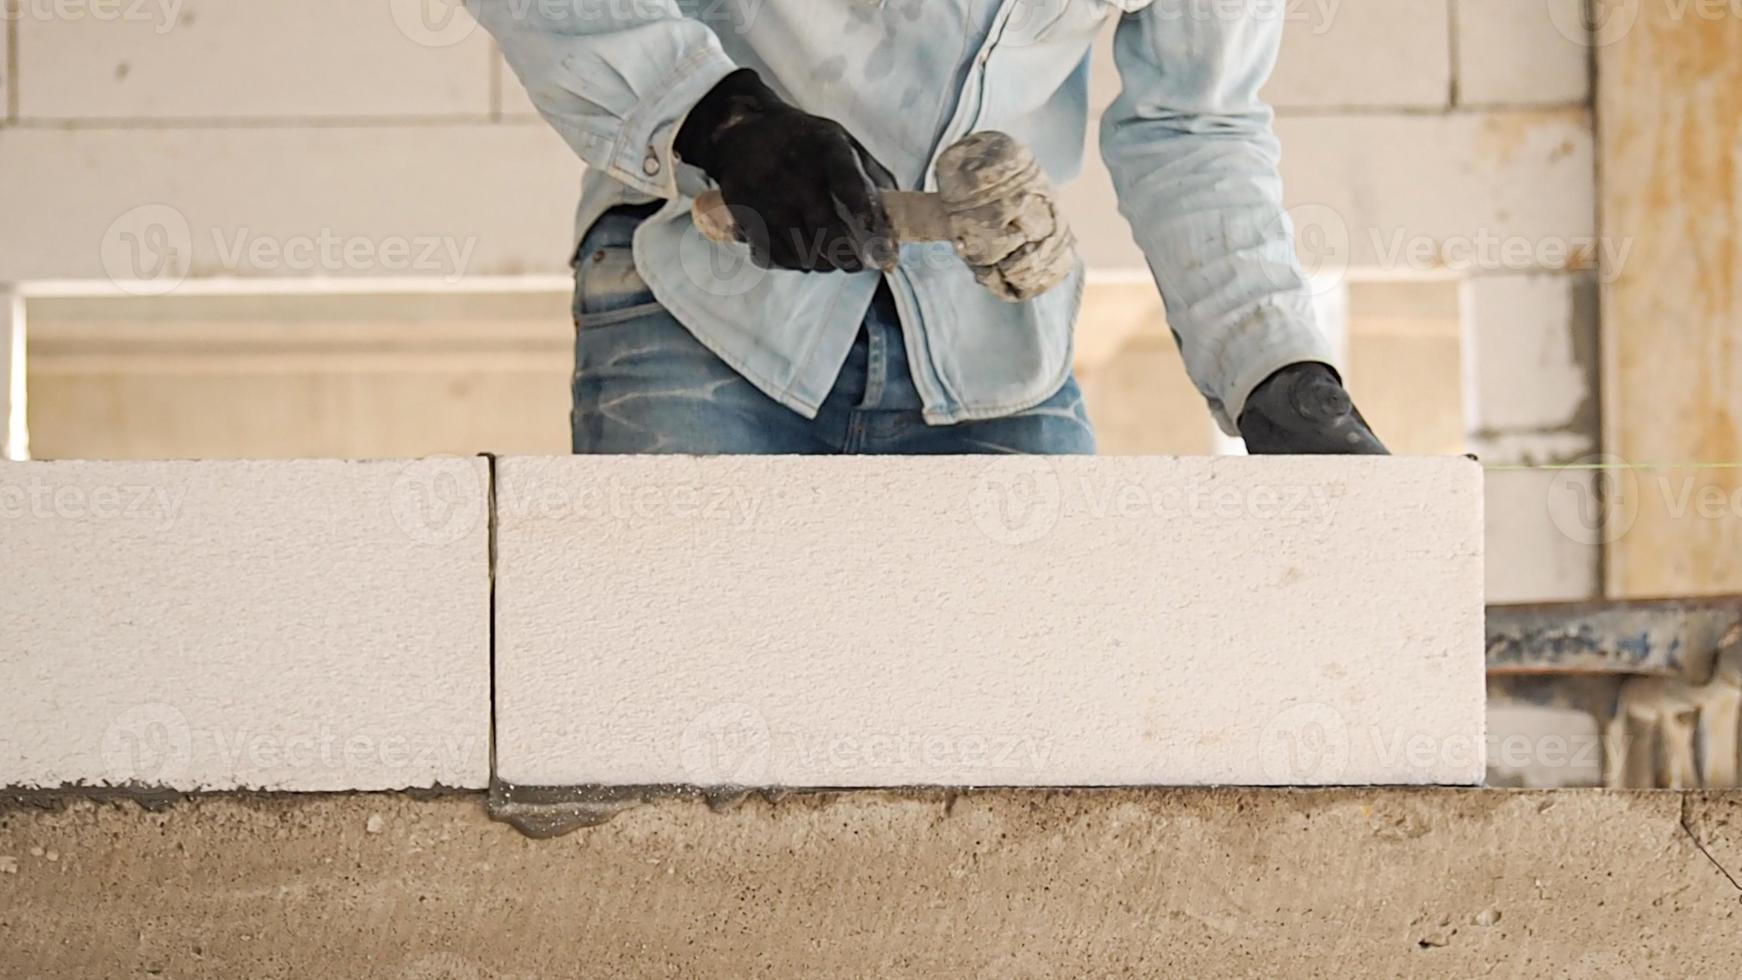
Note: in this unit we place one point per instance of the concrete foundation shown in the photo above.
(1332, 883)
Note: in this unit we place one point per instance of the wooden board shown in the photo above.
(1670, 131)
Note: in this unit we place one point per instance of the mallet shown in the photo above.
(993, 203)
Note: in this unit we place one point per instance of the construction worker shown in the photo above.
(801, 112)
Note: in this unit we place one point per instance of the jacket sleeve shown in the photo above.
(615, 85)
(1194, 162)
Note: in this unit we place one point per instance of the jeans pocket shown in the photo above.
(609, 289)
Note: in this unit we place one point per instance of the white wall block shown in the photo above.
(1474, 192)
(1489, 192)
(1535, 53)
(6, 69)
(1347, 53)
(1545, 536)
(252, 59)
(313, 625)
(1019, 621)
(434, 201)
(511, 97)
(1340, 53)
(1530, 363)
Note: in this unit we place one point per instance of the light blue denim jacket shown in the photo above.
(1188, 142)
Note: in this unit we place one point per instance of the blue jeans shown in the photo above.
(644, 384)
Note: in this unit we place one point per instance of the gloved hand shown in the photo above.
(1303, 410)
(813, 187)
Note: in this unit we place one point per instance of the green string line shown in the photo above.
(1616, 466)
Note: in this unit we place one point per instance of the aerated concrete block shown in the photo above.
(1362, 53)
(314, 625)
(1529, 53)
(777, 621)
(151, 207)
(137, 61)
(1474, 193)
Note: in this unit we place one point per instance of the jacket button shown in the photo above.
(650, 166)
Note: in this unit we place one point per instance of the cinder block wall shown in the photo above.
(1408, 126)
(246, 137)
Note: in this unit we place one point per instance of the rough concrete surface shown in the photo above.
(1036, 883)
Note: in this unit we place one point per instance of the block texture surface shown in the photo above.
(254, 59)
(283, 625)
(1477, 192)
(161, 205)
(1530, 346)
(1529, 53)
(1347, 53)
(1017, 621)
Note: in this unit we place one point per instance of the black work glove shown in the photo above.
(813, 189)
(1303, 410)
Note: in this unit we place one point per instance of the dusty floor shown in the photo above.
(1334, 883)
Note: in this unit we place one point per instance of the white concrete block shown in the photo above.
(314, 625)
(1340, 54)
(6, 68)
(1020, 621)
(1530, 356)
(1545, 535)
(511, 98)
(1523, 53)
(1475, 192)
(436, 201)
(1103, 235)
(1349, 53)
(1508, 191)
(252, 59)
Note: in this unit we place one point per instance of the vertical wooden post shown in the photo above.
(1669, 105)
